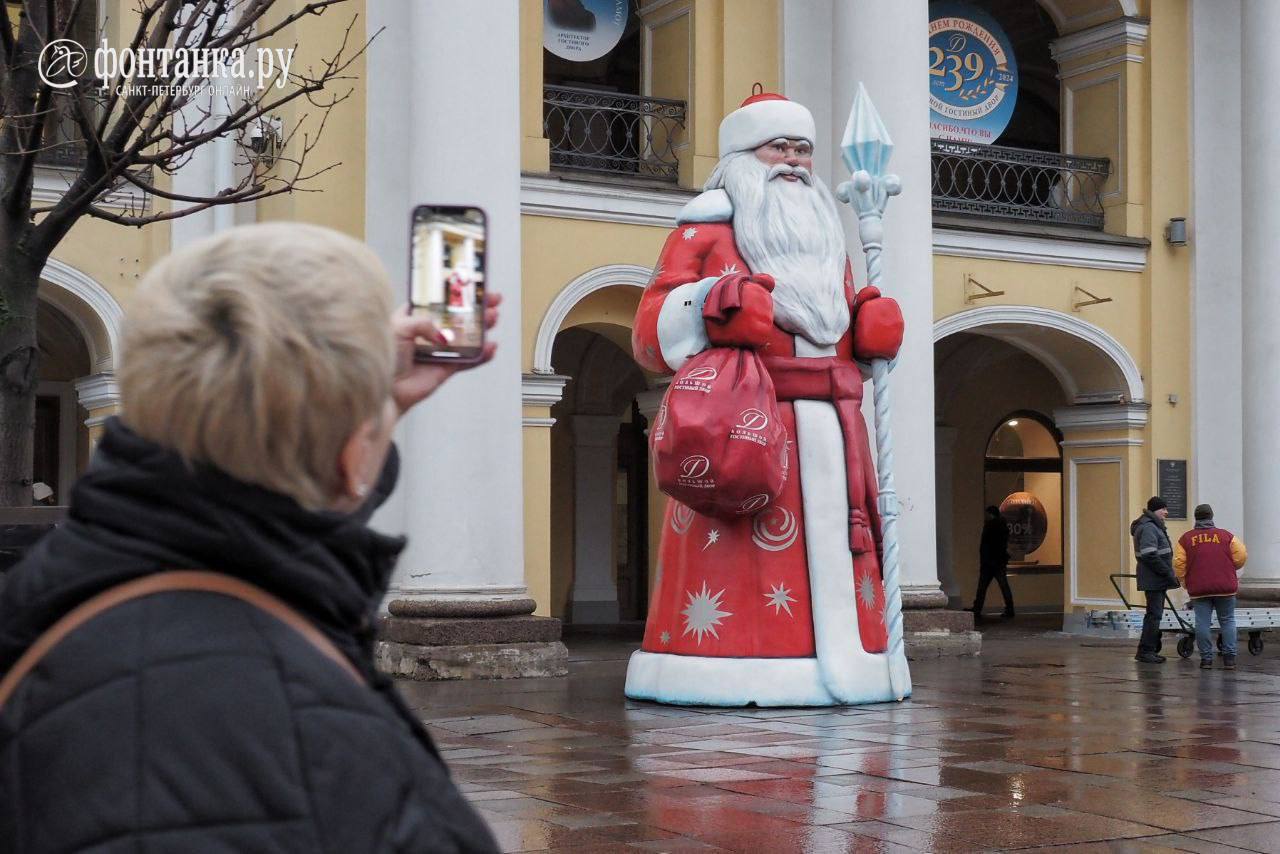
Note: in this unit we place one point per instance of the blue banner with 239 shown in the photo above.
(973, 75)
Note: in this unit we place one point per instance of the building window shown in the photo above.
(596, 115)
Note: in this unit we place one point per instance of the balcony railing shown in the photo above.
(63, 144)
(1018, 184)
(612, 133)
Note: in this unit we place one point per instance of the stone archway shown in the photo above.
(80, 325)
(90, 306)
(1091, 365)
(1073, 15)
(597, 279)
(993, 360)
(596, 306)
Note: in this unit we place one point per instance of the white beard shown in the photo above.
(790, 230)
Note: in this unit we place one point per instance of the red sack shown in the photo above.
(718, 442)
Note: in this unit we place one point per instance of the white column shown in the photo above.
(459, 498)
(1260, 297)
(211, 168)
(944, 466)
(595, 463)
(433, 269)
(1216, 254)
(884, 46)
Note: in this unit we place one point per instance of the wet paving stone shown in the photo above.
(1045, 742)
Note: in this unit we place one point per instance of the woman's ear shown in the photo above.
(355, 462)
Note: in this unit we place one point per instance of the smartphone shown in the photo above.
(447, 246)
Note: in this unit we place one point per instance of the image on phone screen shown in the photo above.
(447, 278)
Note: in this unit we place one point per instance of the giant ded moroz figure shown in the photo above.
(786, 606)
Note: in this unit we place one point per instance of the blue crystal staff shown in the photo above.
(866, 149)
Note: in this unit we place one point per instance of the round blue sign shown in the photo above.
(973, 76)
(583, 30)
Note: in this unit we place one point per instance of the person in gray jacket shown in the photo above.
(1154, 554)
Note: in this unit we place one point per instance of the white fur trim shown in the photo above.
(711, 206)
(851, 674)
(692, 680)
(681, 331)
(755, 124)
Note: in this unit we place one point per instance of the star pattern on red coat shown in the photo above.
(690, 233)
(702, 614)
(867, 591)
(779, 600)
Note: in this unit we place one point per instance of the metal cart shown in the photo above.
(1253, 621)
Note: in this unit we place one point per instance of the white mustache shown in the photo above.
(783, 169)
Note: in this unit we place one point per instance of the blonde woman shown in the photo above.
(261, 379)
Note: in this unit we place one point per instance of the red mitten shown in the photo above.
(739, 310)
(877, 326)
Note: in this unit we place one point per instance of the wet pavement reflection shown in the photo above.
(1043, 741)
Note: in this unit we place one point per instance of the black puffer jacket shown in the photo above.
(194, 722)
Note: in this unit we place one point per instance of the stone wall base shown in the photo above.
(934, 632)
(472, 661)
(417, 641)
(921, 645)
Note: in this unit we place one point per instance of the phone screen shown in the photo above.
(446, 278)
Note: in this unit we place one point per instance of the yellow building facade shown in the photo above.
(1087, 330)
(1045, 355)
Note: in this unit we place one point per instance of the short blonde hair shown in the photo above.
(260, 351)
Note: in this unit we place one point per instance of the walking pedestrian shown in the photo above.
(1154, 554)
(1208, 561)
(993, 563)
(262, 375)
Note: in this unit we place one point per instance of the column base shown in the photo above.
(931, 630)
(430, 640)
(1264, 594)
(588, 612)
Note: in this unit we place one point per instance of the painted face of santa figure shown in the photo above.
(785, 224)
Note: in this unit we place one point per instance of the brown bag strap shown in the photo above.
(164, 582)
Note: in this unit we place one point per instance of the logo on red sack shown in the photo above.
(699, 379)
(750, 426)
(660, 423)
(753, 504)
(775, 530)
(694, 470)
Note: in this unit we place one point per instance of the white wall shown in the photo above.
(443, 126)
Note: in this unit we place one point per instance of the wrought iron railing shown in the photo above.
(612, 133)
(63, 143)
(1018, 183)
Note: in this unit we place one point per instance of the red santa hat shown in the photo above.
(763, 117)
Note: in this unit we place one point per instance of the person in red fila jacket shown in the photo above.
(1208, 561)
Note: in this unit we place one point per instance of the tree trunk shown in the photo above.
(18, 288)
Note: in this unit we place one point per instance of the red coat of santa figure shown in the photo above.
(785, 607)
